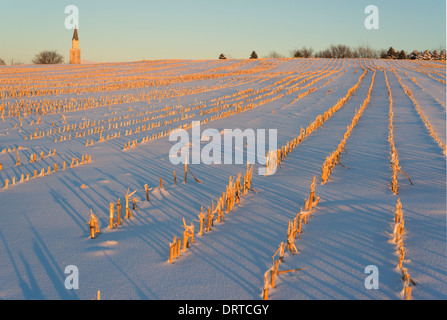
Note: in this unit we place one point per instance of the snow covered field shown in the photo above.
(66, 112)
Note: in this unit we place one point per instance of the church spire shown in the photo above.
(75, 52)
(75, 34)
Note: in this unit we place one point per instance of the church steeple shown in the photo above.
(75, 52)
(75, 34)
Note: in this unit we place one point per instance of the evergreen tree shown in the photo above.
(402, 55)
(391, 54)
(2, 62)
(254, 55)
(414, 55)
(222, 56)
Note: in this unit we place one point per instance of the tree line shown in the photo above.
(43, 57)
(339, 51)
(342, 51)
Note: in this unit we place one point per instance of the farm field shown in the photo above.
(370, 134)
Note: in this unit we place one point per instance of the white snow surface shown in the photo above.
(43, 221)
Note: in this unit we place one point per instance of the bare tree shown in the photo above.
(274, 54)
(381, 53)
(326, 53)
(365, 51)
(304, 52)
(48, 57)
(296, 53)
(15, 63)
(340, 51)
(307, 52)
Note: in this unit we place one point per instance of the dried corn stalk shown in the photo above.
(334, 158)
(93, 224)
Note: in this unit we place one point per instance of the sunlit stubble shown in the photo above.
(111, 211)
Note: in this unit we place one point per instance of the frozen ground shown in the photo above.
(43, 221)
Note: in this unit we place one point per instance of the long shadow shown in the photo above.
(139, 291)
(30, 291)
(50, 265)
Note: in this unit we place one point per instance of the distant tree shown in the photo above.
(304, 52)
(16, 63)
(326, 53)
(222, 56)
(391, 53)
(442, 55)
(254, 55)
(427, 55)
(274, 54)
(296, 53)
(377, 53)
(435, 55)
(48, 57)
(365, 51)
(382, 54)
(340, 51)
(2, 62)
(307, 52)
(415, 55)
(402, 55)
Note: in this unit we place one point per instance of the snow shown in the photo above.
(43, 221)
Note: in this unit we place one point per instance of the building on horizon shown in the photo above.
(75, 52)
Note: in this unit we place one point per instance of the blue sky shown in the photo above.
(202, 29)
